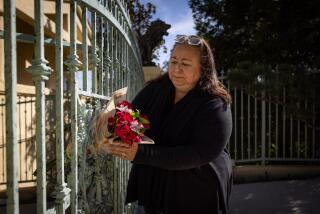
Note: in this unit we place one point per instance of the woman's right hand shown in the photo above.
(120, 149)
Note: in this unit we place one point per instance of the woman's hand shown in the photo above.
(121, 150)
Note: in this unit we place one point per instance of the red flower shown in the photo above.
(123, 117)
(122, 130)
(126, 134)
(133, 137)
(125, 104)
(136, 139)
(128, 124)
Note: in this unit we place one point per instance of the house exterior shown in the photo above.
(25, 85)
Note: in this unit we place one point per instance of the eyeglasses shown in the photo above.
(191, 40)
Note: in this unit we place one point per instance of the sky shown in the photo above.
(178, 14)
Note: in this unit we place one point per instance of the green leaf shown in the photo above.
(144, 121)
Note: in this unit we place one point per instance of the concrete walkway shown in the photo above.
(297, 194)
(277, 197)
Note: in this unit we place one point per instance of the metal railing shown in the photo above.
(26, 141)
(266, 131)
(26, 116)
(287, 139)
(109, 60)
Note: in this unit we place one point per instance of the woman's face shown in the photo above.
(184, 67)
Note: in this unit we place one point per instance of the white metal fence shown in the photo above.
(266, 131)
(286, 138)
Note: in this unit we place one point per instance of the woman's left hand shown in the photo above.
(121, 150)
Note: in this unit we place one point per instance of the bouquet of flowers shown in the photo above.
(120, 121)
(127, 124)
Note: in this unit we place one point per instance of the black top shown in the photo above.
(189, 164)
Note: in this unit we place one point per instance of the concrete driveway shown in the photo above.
(277, 197)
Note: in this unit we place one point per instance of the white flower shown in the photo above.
(135, 126)
(124, 109)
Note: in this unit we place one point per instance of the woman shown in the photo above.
(188, 170)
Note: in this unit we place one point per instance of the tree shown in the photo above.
(278, 37)
(149, 41)
(140, 16)
(264, 45)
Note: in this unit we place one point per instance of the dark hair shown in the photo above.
(209, 81)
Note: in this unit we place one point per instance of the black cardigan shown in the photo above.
(189, 164)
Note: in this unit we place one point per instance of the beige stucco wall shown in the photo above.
(25, 51)
(151, 72)
(25, 87)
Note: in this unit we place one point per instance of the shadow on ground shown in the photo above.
(277, 197)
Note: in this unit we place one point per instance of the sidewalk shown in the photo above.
(277, 197)
(260, 191)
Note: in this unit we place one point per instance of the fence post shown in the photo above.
(40, 72)
(84, 49)
(263, 128)
(73, 64)
(62, 192)
(11, 102)
(94, 60)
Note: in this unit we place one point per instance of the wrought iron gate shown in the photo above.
(109, 60)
